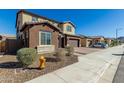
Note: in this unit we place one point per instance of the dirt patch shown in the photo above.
(11, 70)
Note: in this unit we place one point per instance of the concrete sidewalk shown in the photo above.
(119, 76)
(95, 67)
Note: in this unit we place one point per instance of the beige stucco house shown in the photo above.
(38, 31)
(108, 41)
(90, 40)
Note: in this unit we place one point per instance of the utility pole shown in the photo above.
(117, 29)
(116, 36)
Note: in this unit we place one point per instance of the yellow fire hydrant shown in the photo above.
(42, 61)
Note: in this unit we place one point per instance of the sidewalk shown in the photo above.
(95, 67)
(119, 76)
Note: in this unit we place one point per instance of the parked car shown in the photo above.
(100, 45)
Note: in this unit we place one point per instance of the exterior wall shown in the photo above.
(83, 42)
(102, 39)
(19, 25)
(67, 32)
(45, 49)
(19, 21)
(34, 35)
(86, 42)
(108, 41)
(28, 18)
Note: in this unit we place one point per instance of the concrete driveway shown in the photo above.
(83, 50)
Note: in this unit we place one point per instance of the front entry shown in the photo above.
(61, 42)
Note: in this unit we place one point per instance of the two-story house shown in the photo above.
(37, 31)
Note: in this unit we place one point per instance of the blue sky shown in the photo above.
(88, 22)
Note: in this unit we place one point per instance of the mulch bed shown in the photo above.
(11, 72)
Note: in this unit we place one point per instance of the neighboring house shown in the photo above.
(108, 41)
(121, 39)
(96, 39)
(86, 42)
(90, 40)
(100, 39)
(40, 32)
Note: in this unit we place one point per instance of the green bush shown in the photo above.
(113, 43)
(26, 56)
(70, 50)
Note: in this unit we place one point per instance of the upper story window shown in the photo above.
(68, 28)
(34, 19)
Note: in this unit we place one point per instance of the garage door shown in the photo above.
(73, 43)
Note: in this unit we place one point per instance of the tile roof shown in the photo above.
(37, 23)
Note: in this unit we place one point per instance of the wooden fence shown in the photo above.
(2, 46)
(12, 45)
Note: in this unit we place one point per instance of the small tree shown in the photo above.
(113, 43)
(26, 56)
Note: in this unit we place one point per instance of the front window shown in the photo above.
(68, 28)
(34, 19)
(45, 38)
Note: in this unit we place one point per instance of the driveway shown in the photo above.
(83, 50)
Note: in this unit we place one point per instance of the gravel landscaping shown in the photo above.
(12, 72)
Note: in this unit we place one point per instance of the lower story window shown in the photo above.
(45, 38)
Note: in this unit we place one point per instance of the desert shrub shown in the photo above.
(26, 56)
(60, 54)
(70, 50)
(113, 43)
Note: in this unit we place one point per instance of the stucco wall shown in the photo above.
(83, 42)
(34, 35)
(28, 18)
(19, 21)
(108, 41)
